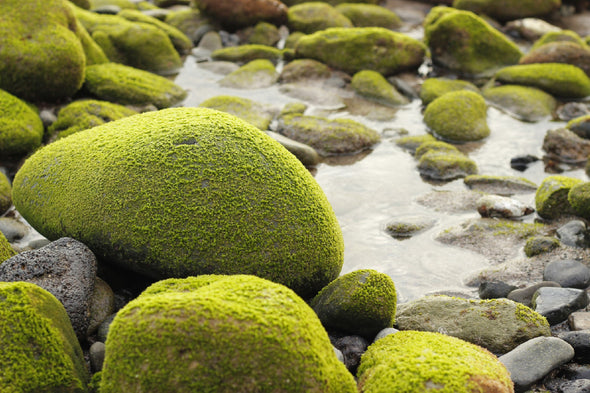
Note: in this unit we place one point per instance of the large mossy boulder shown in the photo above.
(185, 191)
(40, 352)
(463, 42)
(522, 102)
(432, 88)
(498, 325)
(41, 57)
(362, 48)
(551, 198)
(373, 86)
(255, 113)
(221, 334)
(504, 10)
(416, 362)
(369, 15)
(21, 128)
(6, 250)
(315, 16)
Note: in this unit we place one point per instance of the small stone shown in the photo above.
(556, 304)
(565, 146)
(352, 348)
(304, 153)
(407, 227)
(494, 289)
(525, 295)
(521, 163)
(499, 206)
(97, 353)
(385, 332)
(102, 304)
(339, 354)
(536, 245)
(574, 234)
(12, 229)
(580, 341)
(103, 329)
(579, 320)
(568, 273)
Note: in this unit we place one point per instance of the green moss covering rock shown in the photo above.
(437, 146)
(129, 86)
(331, 2)
(405, 228)
(562, 80)
(500, 185)
(445, 166)
(559, 36)
(185, 191)
(21, 129)
(256, 74)
(373, 86)
(525, 103)
(536, 245)
(369, 15)
(362, 302)
(580, 126)
(465, 43)
(579, 199)
(225, 334)
(93, 52)
(5, 193)
(498, 325)
(416, 362)
(413, 142)
(566, 52)
(315, 16)
(41, 57)
(458, 116)
(292, 39)
(551, 198)
(432, 88)
(191, 22)
(328, 137)
(6, 250)
(263, 34)
(40, 352)
(85, 114)
(504, 10)
(259, 115)
(123, 4)
(304, 69)
(363, 48)
(247, 53)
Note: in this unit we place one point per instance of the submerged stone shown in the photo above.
(446, 166)
(524, 103)
(500, 185)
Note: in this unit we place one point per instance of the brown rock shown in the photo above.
(242, 13)
(565, 146)
(560, 52)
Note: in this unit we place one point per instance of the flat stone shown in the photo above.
(568, 273)
(556, 304)
(499, 206)
(525, 295)
(579, 320)
(580, 341)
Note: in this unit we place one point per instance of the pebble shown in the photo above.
(384, 333)
(568, 273)
(494, 289)
(579, 320)
(521, 163)
(574, 234)
(580, 341)
(97, 353)
(556, 304)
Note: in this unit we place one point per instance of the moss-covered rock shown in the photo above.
(562, 80)
(504, 10)
(369, 15)
(246, 53)
(579, 199)
(407, 227)
(40, 352)
(566, 52)
(185, 191)
(524, 103)
(373, 86)
(432, 88)
(559, 36)
(446, 166)
(85, 114)
(315, 16)
(85, 4)
(551, 198)
(225, 334)
(536, 245)
(21, 129)
(5, 193)
(6, 250)
(580, 126)
(328, 137)
(415, 362)
(263, 34)
(304, 69)
(235, 14)
(293, 38)
(363, 48)
(464, 42)
(122, 4)
(362, 302)
(129, 86)
(93, 52)
(256, 74)
(331, 2)
(437, 146)
(413, 142)
(500, 185)
(191, 22)
(458, 116)
(257, 114)
(41, 57)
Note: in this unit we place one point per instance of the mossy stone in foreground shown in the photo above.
(416, 362)
(373, 86)
(551, 198)
(579, 199)
(432, 88)
(185, 191)
(246, 53)
(458, 116)
(369, 15)
(40, 352)
(21, 129)
(536, 245)
(524, 103)
(5, 193)
(363, 48)
(504, 10)
(6, 250)
(446, 166)
(221, 334)
(130, 86)
(257, 114)
(315, 16)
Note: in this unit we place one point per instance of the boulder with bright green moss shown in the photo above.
(130, 86)
(504, 10)
(551, 198)
(413, 142)
(498, 325)
(191, 22)
(41, 57)
(458, 116)
(369, 15)
(446, 166)
(579, 199)
(185, 191)
(329, 137)
(536, 245)
(292, 39)
(373, 86)
(21, 129)
(362, 302)
(432, 88)
(437, 146)
(40, 352)
(580, 126)
(315, 16)
(525, 103)
(93, 52)
(562, 80)
(559, 36)
(84, 114)
(304, 69)
(85, 4)
(6, 250)
(263, 33)
(5, 193)
(256, 74)
(363, 48)
(255, 113)
(221, 334)
(463, 42)
(500, 185)
(566, 52)
(234, 14)
(246, 53)
(417, 362)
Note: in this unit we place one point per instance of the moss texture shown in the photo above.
(247, 53)
(362, 302)
(559, 36)
(304, 69)
(504, 10)
(501, 185)
(415, 362)
(185, 191)
(369, 15)
(432, 88)
(437, 146)
(190, 21)
(331, 2)
(579, 199)
(5, 193)
(315, 16)
(292, 39)
(562, 80)
(580, 126)
(525, 103)
(464, 42)
(21, 129)
(123, 4)
(551, 198)
(6, 250)
(536, 245)
(226, 334)
(373, 86)
(264, 34)
(41, 57)
(437, 165)
(246, 109)
(413, 142)
(363, 48)
(40, 352)
(130, 86)
(255, 74)
(458, 116)
(565, 52)
(93, 52)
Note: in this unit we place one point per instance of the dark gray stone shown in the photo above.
(96, 354)
(556, 304)
(565, 386)
(103, 329)
(352, 347)
(525, 295)
(574, 234)
(568, 273)
(66, 268)
(580, 341)
(495, 289)
(384, 333)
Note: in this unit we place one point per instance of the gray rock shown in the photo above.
(556, 304)
(574, 234)
(103, 329)
(534, 359)
(385, 332)
(568, 273)
(565, 146)
(304, 153)
(494, 289)
(12, 229)
(579, 320)
(352, 348)
(407, 227)
(499, 206)
(97, 353)
(339, 354)
(580, 341)
(525, 295)
(565, 386)
(66, 268)
(102, 304)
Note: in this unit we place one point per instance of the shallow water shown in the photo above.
(384, 185)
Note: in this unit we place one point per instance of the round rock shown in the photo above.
(568, 273)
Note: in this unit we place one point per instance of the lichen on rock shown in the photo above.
(256, 74)
(6, 250)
